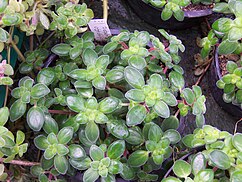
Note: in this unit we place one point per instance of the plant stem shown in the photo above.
(204, 72)
(21, 163)
(124, 104)
(6, 96)
(17, 50)
(47, 39)
(105, 9)
(177, 112)
(62, 112)
(236, 125)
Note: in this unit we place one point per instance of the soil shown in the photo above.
(197, 7)
(223, 62)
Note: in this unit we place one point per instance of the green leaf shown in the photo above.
(39, 90)
(46, 164)
(166, 14)
(158, 159)
(189, 96)
(169, 99)
(52, 139)
(110, 47)
(46, 76)
(35, 118)
(135, 136)
(134, 77)
(3, 5)
(4, 114)
(236, 176)
(135, 95)
(138, 158)
(162, 109)
(182, 169)
(173, 135)
(75, 103)
(89, 57)
(116, 149)
(61, 164)
(44, 20)
(220, 159)
(179, 14)
(43, 178)
(205, 175)
(235, 34)
(75, 52)
(170, 123)
(20, 137)
(109, 105)
(136, 115)
(222, 24)
(137, 62)
(171, 179)
(41, 142)
(90, 175)
(61, 49)
(155, 133)
(96, 153)
(78, 74)
(92, 131)
(198, 163)
(118, 129)
(177, 79)
(99, 83)
(227, 47)
(237, 138)
(17, 110)
(200, 120)
(80, 164)
(62, 149)
(127, 173)
(50, 125)
(114, 75)
(65, 135)
(102, 62)
(231, 66)
(36, 170)
(115, 167)
(76, 151)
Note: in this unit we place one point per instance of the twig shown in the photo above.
(62, 112)
(47, 39)
(204, 72)
(17, 50)
(236, 125)
(105, 9)
(6, 96)
(21, 163)
(177, 112)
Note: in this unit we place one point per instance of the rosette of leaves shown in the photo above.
(91, 113)
(6, 70)
(55, 148)
(34, 61)
(72, 18)
(157, 146)
(194, 101)
(231, 83)
(105, 162)
(28, 93)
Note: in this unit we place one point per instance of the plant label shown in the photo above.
(100, 29)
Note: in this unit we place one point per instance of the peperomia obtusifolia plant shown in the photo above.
(226, 35)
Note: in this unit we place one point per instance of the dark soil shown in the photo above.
(223, 62)
(197, 7)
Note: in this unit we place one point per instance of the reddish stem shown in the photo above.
(167, 49)
(165, 70)
(215, 169)
(151, 49)
(62, 112)
(124, 45)
(21, 163)
(152, 58)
